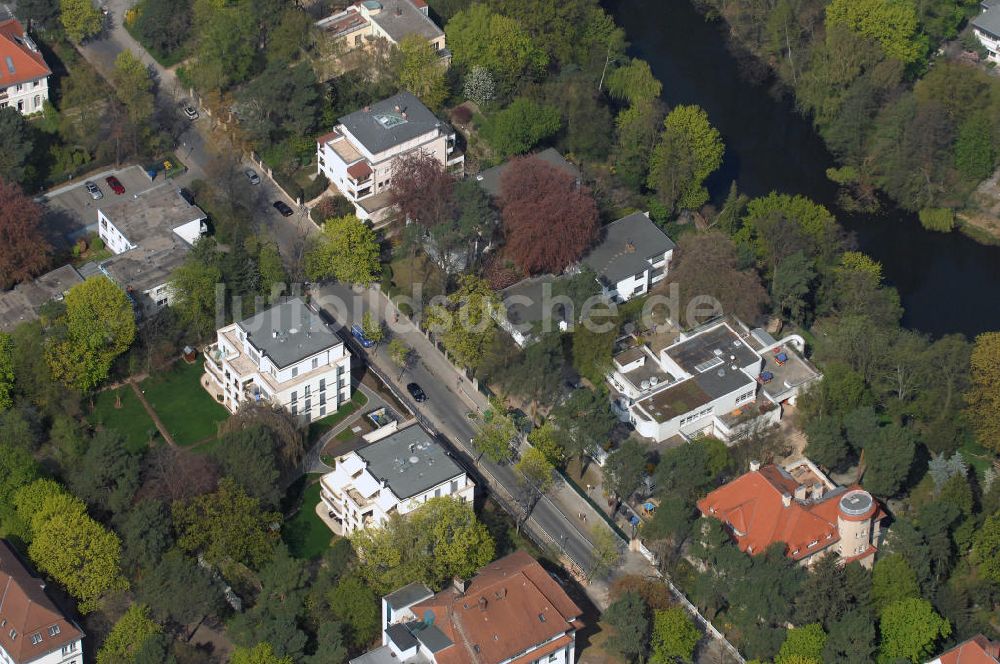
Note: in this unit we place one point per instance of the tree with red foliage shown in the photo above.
(422, 190)
(549, 220)
(24, 252)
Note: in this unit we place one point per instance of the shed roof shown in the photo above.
(628, 245)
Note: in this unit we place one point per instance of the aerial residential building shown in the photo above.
(986, 27)
(24, 76)
(511, 612)
(490, 179)
(23, 303)
(977, 650)
(721, 380)
(633, 256)
(800, 507)
(150, 234)
(391, 20)
(33, 630)
(393, 475)
(359, 155)
(285, 356)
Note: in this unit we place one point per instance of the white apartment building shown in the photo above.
(633, 256)
(511, 612)
(986, 27)
(358, 156)
(33, 630)
(24, 76)
(714, 381)
(395, 474)
(391, 20)
(285, 356)
(150, 234)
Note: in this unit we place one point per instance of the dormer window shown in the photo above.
(13, 634)
(36, 638)
(812, 544)
(54, 630)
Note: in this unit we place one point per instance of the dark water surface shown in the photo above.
(947, 282)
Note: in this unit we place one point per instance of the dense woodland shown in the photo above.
(918, 415)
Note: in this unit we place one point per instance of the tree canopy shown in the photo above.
(347, 250)
(689, 150)
(24, 251)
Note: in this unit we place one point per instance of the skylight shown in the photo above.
(390, 120)
(10, 64)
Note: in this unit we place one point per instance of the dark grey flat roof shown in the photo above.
(410, 461)
(382, 127)
(409, 594)
(489, 179)
(722, 380)
(989, 21)
(692, 354)
(150, 214)
(400, 18)
(432, 638)
(288, 332)
(627, 246)
(400, 635)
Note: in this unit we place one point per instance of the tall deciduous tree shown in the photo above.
(100, 326)
(987, 548)
(438, 541)
(423, 190)
(983, 397)
(80, 18)
(195, 283)
(262, 653)
(629, 617)
(893, 24)
(625, 468)
(803, 645)
(638, 130)
(24, 252)
(346, 250)
(534, 474)
(356, 606)
(133, 87)
(421, 71)
(549, 220)
(6, 372)
(226, 525)
(892, 580)
(496, 438)
(634, 83)
(465, 323)
(690, 149)
(107, 475)
(521, 126)
(128, 635)
(910, 630)
(674, 636)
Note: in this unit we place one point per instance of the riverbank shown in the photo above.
(981, 221)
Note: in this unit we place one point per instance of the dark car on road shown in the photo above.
(282, 207)
(416, 392)
(115, 184)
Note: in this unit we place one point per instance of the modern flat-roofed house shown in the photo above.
(24, 76)
(720, 380)
(977, 650)
(986, 27)
(633, 256)
(394, 475)
(285, 356)
(150, 234)
(511, 612)
(358, 156)
(391, 20)
(33, 630)
(801, 507)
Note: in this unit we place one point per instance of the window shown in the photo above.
(37, 101)
(308, 405)
(322, 411)
(54, 630)
(13, 634)
(161, 302)
(36, 84)
(20, 87)
(68, 648)
(307, 390)
(322, 384)
(454, 486)
(295, 409)
(20, 104)
(295, 396)
(295, 372)
(315, 362)
(322, 398)
(437, 492)
(36, 638)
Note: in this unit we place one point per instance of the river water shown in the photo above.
(947, 282)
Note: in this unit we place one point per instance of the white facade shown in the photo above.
(28, 97)
(986, 28)
(69, 653)
(641, 282)
(363, 490)
(314, 387)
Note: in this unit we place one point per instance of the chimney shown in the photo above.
(754, 466)
(800, 492)
(818, 490)
(629, 247)
(397, 108)
(458, 583)
(786, 499)
(367, 109)
(482, 603)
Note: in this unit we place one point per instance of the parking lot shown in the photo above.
(70, 211)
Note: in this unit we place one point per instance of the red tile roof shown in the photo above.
(26, 611)
(15, 52)
(753, 505)
(359, 171)
(511, 605)
(977, 650)
(326, 138)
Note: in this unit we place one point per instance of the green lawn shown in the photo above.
(131, 420)
(305, 534)
(185, 408)
(976, 455)
(319, 427)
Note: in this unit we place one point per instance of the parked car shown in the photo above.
(191, 112)
(94, 191)
(282, 207)
(252, 176)
(359, 334)
(186, 195)
(115, 184)
(416, 392)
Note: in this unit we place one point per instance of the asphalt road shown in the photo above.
(447, 406)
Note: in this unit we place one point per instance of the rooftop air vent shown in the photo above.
(414, 459)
